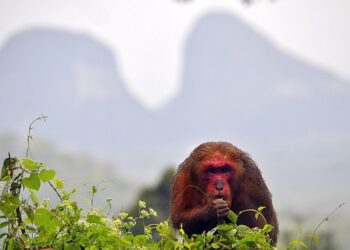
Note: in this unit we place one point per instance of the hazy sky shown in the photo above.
(148, 36)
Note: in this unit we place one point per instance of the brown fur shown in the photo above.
(195, 210)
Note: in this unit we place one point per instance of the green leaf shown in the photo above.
(11, 244)
(34, 197)
(187, 245)
(314, 237)
(3, 235)
(93, 190)
(59, 184)
(46, 219)
(93, 218)
(215, 245)
(4, 224)
(42, 216)
(29, 164)
(267, 228)
(32, 182)
(30, 213)
(232, 217)
(297, 243)
(212, 231)
(140, 239)
(225, 228)
(8, 204)
(232, 233)
(243, 229)
(256, 215)
(7, 168)
(47, 175)
(261, 208)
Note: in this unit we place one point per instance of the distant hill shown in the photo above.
(237, 83)
(71, 78)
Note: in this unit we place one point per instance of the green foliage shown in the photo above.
(34, 224)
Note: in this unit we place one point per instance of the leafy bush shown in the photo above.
(31, 223)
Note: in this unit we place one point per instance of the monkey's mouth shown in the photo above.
(219, 196)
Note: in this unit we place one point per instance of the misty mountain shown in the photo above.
(73, 79)
(235, 81)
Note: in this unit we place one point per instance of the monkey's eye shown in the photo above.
(225, 169)
(212, 170)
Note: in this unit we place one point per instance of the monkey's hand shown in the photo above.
(221, 208)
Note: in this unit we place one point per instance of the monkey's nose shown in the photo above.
(219, 185)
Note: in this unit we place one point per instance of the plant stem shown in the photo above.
(252, 210)
(29, 136)
(322, 221)
(56, 191)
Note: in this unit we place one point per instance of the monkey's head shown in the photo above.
(218, 170)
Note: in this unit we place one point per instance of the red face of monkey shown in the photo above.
(217, 175)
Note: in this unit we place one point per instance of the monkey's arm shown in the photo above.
(204, 217)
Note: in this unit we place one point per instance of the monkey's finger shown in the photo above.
(221, 205)
(222, 214)
(219, 201)
(223, 210)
